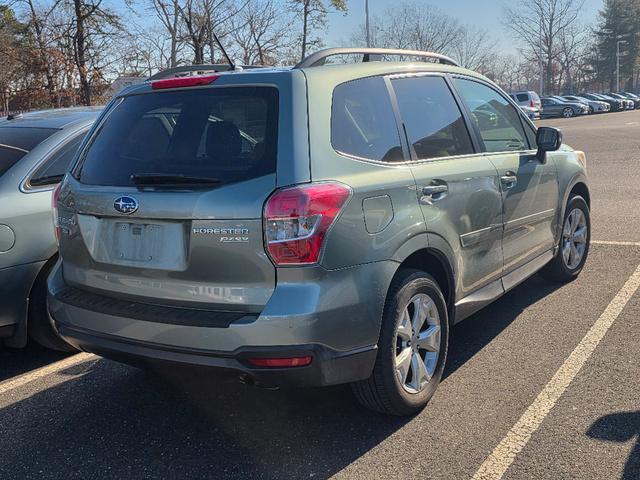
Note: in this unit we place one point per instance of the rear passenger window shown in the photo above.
(363, 123)
(433, 121)
(498, 121)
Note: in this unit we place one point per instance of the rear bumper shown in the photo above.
(332, 316)
(328, 366)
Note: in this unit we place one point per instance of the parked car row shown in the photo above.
(568, 106)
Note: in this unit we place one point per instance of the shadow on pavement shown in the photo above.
(474, 333)
(14, 362)
(119, 422)
(621, 427)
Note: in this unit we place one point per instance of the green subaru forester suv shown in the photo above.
(313, 225)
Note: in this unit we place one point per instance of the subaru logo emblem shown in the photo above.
(126, 205)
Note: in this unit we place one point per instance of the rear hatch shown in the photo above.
(165, 203)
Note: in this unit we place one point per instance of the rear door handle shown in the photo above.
(509, 180)
(434, 192)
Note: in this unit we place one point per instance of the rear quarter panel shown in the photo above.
(349, 242)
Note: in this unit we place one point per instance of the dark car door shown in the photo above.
(551, 108)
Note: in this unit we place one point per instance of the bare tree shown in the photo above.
(262, 33)
(37, 22)
(168, 12)
(474, 48)
(313, 14)
(573, 50)
(93, 27)
(414, 26)
(539, 25)
(202, 19)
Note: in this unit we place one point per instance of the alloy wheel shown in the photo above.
(417, 343)
(574, 238)
(567, 113)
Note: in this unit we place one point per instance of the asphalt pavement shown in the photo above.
(541, 384)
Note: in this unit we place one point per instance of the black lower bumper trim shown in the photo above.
(149, 312)
(328, 367)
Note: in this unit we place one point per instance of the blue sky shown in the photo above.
(484, 13)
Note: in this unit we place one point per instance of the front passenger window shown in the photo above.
(497, 120)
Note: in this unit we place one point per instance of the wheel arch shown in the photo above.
(577, 186)
(580, 188)
(436, 263)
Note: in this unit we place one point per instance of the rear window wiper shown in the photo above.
(46, 180)
(171, 180)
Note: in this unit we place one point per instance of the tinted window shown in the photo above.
(56, 166)
(433, 121)
(229, 134)
(15, 143)
(523, 97)
(497, 120)
(363, 122)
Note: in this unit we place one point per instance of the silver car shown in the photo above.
(529, 103)
(35, 150)
(595, 106)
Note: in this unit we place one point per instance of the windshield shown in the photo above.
(229, 134)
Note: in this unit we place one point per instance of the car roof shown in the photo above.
(54, 118)
(328, 75)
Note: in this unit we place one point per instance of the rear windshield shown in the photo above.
(15, 143)
(229, 134)
(522, 97)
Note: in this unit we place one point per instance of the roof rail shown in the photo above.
(186, 69)
(319, 58)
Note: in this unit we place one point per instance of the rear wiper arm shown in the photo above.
(165, 180)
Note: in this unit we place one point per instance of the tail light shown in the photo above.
(531, 104)
(297, 220)
(54, 212)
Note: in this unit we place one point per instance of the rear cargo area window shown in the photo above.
(227, 133)
(363, 123)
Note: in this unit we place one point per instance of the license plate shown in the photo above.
(138, 242)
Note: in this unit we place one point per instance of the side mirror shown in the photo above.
(548, 139)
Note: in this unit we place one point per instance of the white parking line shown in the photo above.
(44, 371)
(614, 242)
(497, 463)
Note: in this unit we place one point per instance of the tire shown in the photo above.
(561, 268)
(591, 110)
(567, 112)
(384, 391)
(39, 323)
